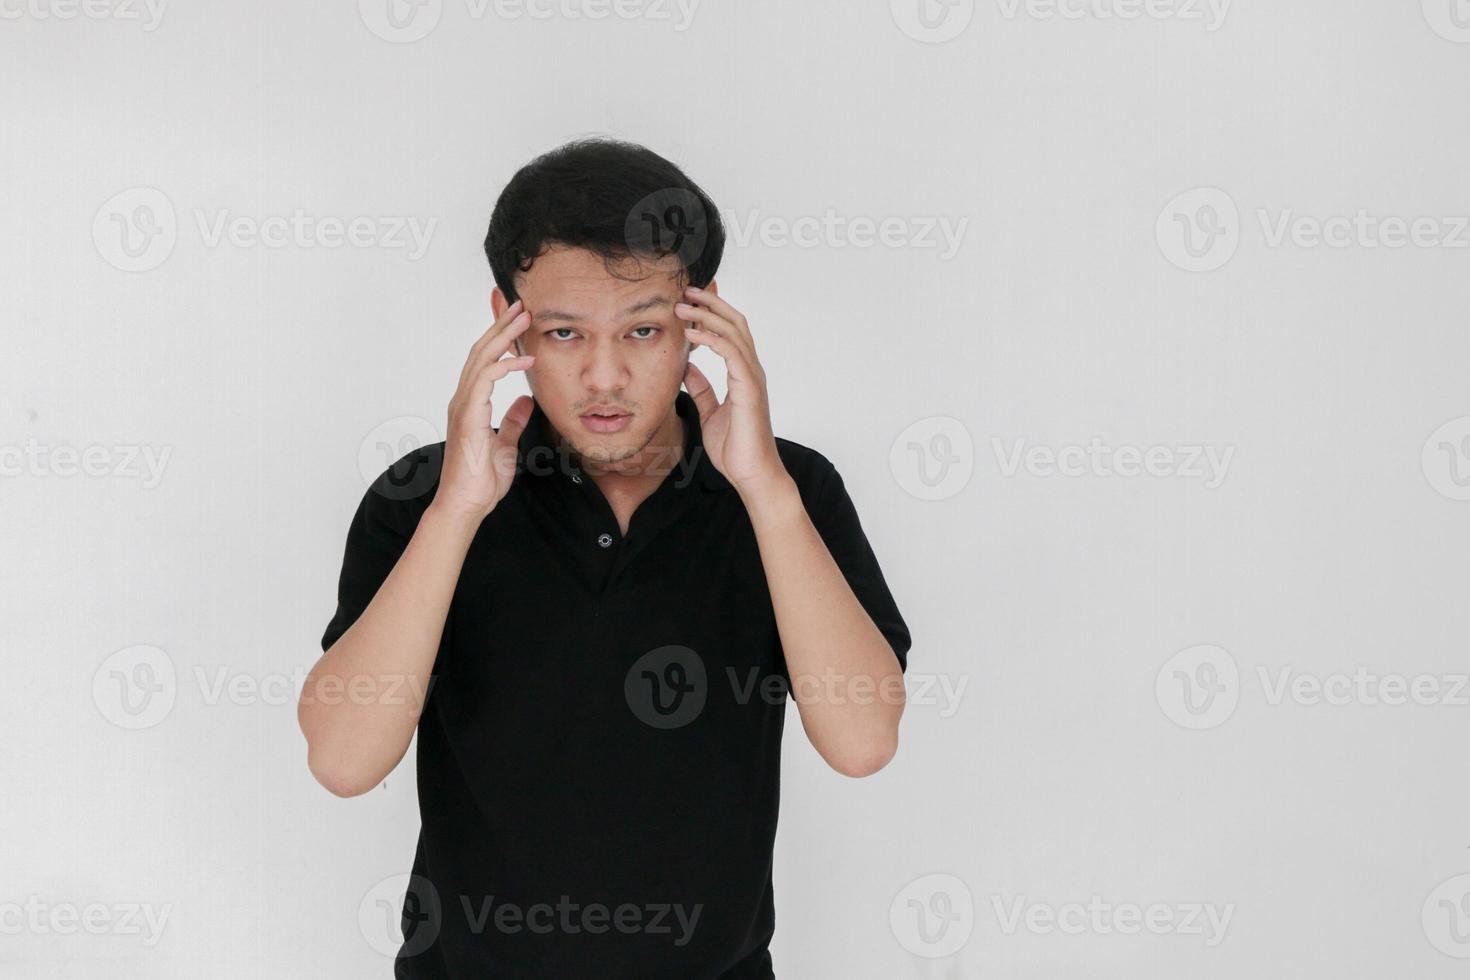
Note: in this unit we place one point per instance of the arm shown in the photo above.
(845, 678)
(362, 700)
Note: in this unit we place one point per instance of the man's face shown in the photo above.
(603, 343)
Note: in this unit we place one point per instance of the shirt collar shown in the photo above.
(537, 446)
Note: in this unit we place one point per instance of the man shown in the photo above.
(613, 594)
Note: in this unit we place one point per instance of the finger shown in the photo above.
(476, 407)
(700, 390)
(737, 369)
(724, 309)
(711, 322)
(496, 345)
(513, 423)
(506, 317)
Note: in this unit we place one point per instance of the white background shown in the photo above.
(1075, 762)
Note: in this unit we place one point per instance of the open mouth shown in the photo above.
(602, 421)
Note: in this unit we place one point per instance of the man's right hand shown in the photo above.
(479, 463)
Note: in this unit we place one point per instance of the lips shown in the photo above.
(605, 420)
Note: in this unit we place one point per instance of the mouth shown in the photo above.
(605, 420)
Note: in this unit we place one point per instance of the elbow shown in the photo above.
(856, 765)
(339, 774)
(337, 779)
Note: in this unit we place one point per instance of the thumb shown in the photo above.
(515, 419)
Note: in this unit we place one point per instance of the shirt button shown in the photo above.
(605, 540)
(576, 478)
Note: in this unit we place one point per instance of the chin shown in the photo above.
(607, 448)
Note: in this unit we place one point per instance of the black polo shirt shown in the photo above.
(599, 756)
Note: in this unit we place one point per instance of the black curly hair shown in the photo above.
(617, 199)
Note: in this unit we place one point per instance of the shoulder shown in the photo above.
(809, 468)
(407, 485)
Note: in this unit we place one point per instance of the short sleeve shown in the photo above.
(385, 521)
(836, 520)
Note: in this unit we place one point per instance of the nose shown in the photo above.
(605, 369)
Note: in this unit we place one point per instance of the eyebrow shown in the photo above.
(639, 307)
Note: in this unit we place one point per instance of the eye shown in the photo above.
(655, 329)
(554, 330)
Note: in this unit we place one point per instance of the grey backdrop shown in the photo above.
(1136, 327)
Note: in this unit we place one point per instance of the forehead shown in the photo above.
(578, 280)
